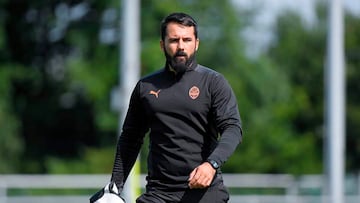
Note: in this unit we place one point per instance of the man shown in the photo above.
(193, 119)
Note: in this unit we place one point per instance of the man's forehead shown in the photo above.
(178, 30)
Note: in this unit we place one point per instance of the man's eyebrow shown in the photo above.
(177, 37)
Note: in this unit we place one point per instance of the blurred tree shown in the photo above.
(11, 144)
(59, 62)
(56, 116)
(300, 53)
(352, 53)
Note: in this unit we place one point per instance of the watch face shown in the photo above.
(214, 164)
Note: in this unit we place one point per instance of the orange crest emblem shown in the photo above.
(194, 92)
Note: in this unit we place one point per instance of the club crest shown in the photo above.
(194, 92)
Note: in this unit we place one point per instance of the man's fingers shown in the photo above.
(201, 176)
(192, 174)
(199, 181)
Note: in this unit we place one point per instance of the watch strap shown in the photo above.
(213, 163)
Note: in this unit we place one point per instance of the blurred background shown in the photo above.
(60, 62)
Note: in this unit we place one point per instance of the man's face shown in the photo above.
(179, 45)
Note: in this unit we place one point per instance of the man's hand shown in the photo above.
(201, 176)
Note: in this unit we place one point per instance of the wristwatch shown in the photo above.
(213, 163)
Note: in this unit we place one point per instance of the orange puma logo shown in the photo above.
(156, 94)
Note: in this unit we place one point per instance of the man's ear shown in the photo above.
(197, 44)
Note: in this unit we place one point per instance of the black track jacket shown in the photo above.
(191, 118)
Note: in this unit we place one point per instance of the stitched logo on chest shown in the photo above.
(194, 92)
(156, 94)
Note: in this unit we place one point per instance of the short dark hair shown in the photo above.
(181, 18)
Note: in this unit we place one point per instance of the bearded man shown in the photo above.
(192, 115)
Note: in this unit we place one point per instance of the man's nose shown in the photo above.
(181, 45)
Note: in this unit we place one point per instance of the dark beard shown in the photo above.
(179, 66)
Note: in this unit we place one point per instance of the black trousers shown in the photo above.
(214, 194)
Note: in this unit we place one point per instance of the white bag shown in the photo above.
(109, 194)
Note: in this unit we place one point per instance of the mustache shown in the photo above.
(180, 53)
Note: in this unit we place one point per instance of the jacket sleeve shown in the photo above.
(130, 140)
(227, 119)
